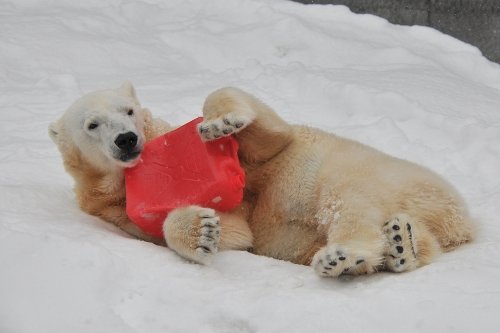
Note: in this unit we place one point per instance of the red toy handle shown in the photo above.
(178, 169)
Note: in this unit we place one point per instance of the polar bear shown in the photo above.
(311, 197)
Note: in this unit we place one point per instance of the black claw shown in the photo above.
(395, 227)
(360, 261)
(347, 269)
(400, 249)
(342, 258)
(328, 268)
(203, 129)
(408, 226)
(226, 121)
(402, 261)
(216, 136)
(397, 238)
(238, 124)
(227, 131)
(332, 263)
(205, 249)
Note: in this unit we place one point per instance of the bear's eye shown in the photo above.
(92, 126)
(130, 112)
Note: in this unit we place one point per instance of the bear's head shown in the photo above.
(105, 127)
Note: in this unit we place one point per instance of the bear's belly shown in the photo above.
(284, 220)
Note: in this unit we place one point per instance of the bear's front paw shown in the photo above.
(226, 111)
(193, 232)
(212, 129)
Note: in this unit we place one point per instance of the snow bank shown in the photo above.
(410, 91)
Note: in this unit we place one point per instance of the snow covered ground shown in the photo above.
(410, 91)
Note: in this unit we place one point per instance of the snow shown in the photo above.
(410, 91)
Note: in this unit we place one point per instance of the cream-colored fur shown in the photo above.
(91, 156)
(319, 199)
(311, 197)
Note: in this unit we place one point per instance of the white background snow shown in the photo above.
(410, 91)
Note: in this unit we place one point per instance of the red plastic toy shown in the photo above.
(178, 169)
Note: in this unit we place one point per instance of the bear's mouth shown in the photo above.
(128, 156)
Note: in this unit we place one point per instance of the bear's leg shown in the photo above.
(193, 232)
(260, 132)
(409, 244)
(235, 232)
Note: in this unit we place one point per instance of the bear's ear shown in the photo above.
(127, 89)
(54, 130)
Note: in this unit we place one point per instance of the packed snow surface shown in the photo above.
(412, 92)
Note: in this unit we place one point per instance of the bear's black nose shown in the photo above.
(126, 141)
